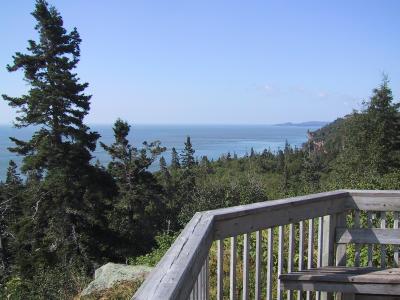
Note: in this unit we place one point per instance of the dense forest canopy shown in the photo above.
(66, 216)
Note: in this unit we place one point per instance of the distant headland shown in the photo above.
(309, 123)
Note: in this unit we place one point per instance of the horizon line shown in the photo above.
(197, 124)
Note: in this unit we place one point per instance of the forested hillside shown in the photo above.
(66, 215)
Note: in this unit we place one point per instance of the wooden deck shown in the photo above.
(261, 241)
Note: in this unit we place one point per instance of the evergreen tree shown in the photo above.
(12, 176)
(137, 213)
(252, 153)
(187, 155)
(175, 163)
(371, 140)
(311, 172)
(11, 197)
(228, 156)
(56, 101)
(384, 117)
(68, 195)
(166, 178)
(163, 164)
(187, 180)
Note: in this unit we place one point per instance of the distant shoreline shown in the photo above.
(304, 124)
(300, 124)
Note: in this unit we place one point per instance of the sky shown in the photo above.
(218, 62)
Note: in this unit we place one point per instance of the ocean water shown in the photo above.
(210, 140)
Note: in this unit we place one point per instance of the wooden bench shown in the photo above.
(351, 280)
(354, 282)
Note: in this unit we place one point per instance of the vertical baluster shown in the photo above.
(204, 282)
(320, 239)
(270, 263)
(383, 247)
(319, 254)
(220, 271)
(191, 297)
(369, 225)
(357, 247)
(232, 274)
(341, 222)
(207, 275)
(310, 249)
(201, 283)
(280, 260)
(301, 252)
(246, 246)
(396, 247)
(290, 257)
(258, 265)
(196, 290)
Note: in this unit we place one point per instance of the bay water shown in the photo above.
(210, 140)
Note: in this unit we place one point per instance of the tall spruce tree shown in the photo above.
(138, 210)
(187, 156)
(11, 204)
(68, 199)
(175, 163)
(384, 117)
(187, 179)
(371, 140)
(163, 164)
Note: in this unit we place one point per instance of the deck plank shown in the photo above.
(346, 275)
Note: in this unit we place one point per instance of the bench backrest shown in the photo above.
(365, 229)
(384, 236)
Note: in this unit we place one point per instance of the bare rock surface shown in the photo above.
(110, 274)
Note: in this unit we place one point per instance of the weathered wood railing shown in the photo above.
(300, 232)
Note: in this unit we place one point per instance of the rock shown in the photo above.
(108, 275)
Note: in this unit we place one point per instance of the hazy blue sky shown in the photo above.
(219, 61)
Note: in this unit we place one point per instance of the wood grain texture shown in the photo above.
(369, 247)
(270, 263)
(220, 269)
(246, 271)
(357, 247)
(232, 269)
(396, 247)
(367, 200)
(389, 236)
(344, 279)
(253, 217)
(176, 273)
(290, 257)
(280, 259)
(341, 248)
(257, 287)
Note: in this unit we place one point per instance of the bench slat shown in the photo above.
(352, 280)
(368, 236)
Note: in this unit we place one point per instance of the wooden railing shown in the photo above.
(241, 251)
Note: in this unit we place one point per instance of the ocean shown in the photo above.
(210, 140)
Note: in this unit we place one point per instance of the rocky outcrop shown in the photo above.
(111, 274)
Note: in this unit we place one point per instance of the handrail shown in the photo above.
(176, 273)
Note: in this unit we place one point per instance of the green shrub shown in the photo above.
(164, 242)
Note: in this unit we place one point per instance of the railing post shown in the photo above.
(328, 247)
(328, 242)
